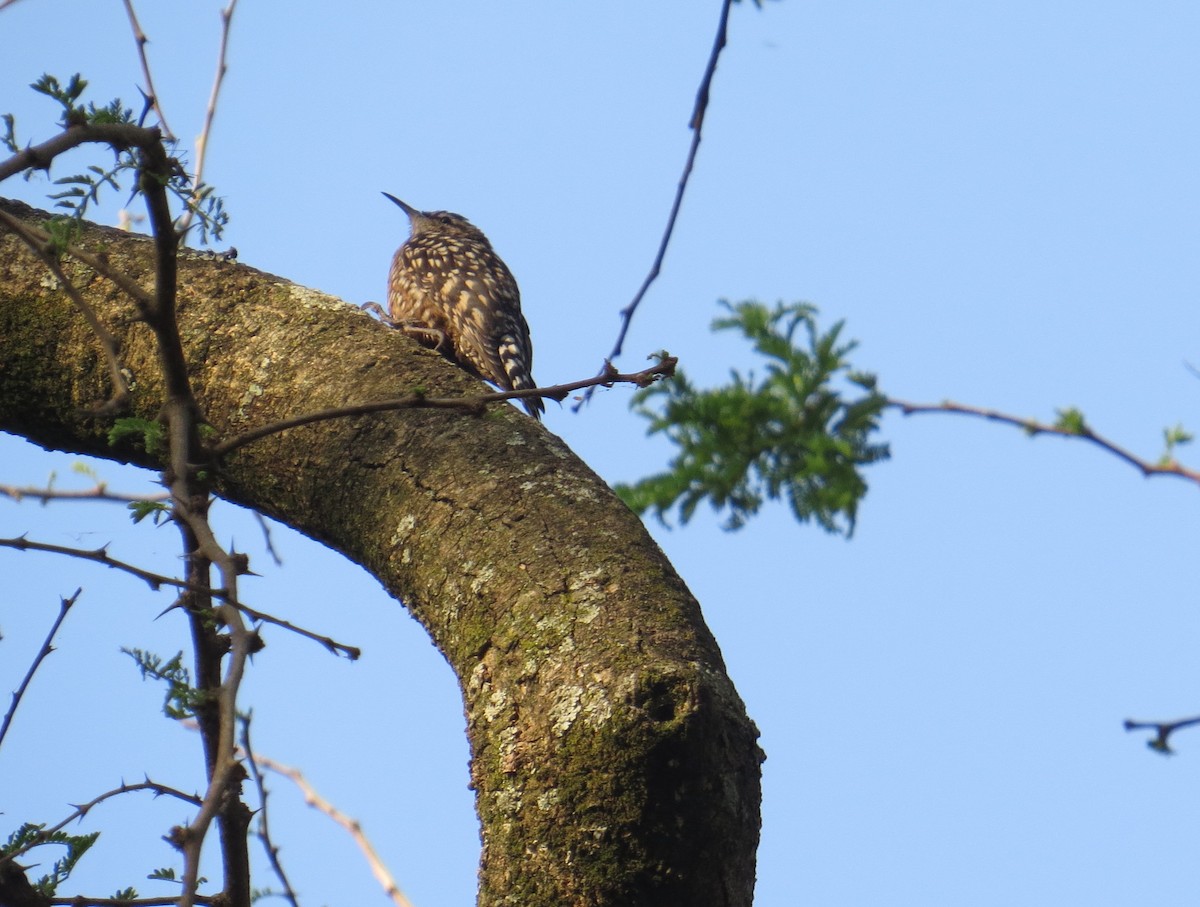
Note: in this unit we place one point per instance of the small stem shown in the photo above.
(46, 649)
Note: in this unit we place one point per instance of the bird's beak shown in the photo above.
(411, 212)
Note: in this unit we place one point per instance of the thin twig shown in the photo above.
(46, 649)
(267, 540)
(157, 580)
(209, 115)
(142, 299)
(696, 124)
(663, 369)
(168, 901)
(141, 40)
(99, 493)
(42, 155)
(82, 810)
(1034, 427)
(1163, 731)
(100, 556)
(217, 719)
(264, 830)
(351, 652)
(315, 800)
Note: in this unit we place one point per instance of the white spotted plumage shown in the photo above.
(450, 288)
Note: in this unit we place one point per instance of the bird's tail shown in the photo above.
(514, 358)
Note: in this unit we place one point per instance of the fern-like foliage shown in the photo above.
(801, 432)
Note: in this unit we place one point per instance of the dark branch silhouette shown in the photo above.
(46, 648)
(1163, 730)
(157, 580)
(1033, 427)
(696, 124)
(475, 405)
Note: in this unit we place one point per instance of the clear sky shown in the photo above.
(1000, 199)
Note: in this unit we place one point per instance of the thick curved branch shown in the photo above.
(612, 759)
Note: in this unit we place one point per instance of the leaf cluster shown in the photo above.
(83, 189)
(31, 835)
(181, 698)
(801, 432)
(74, 113)
(151, 433)
(1173, 439)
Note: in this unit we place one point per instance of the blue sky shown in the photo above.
(1000, 199)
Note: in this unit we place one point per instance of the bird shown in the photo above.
(448, 288)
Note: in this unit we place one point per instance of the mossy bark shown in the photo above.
(612, 759)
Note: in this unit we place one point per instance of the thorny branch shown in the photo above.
(475, 405)
(696, 124)
(157, 580)
(81, 810)
(35, 235)
(100, 556)
(46, 649)
(264, 828)
(141, 40)
(120, 136)
(209, 114)
(1033, 427)
(220, 635)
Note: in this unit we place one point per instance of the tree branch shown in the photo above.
(210, 114)
(157, 580)
(595, 696)
(474, 405)
(696, 125)
(1161, 742)
(120, 136)
(108, 343)
(46, 649)
(44, 835)
(140, 39)
(378, 868)
(264, 828)
(99, 492)
(1033, 427)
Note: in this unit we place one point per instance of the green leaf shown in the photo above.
(181, 699)
(800, 433)
(9, 139)
(139, 510)
(151, 433)
(31, 835)
(1072, 421)
(63, 231)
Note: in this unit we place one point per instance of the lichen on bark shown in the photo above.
(612, 759)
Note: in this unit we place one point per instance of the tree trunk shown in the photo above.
(612, 759)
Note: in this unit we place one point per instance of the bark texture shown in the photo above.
(612, 759)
